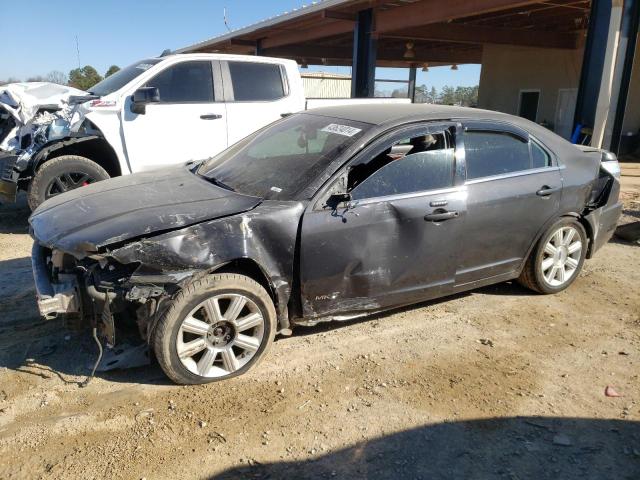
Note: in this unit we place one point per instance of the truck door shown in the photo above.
(256, 93)
(187, 124)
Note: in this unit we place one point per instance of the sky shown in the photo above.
(121, 32)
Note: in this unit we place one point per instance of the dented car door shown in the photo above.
(394, 242)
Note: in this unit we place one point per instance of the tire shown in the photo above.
(209, 357)
(550, 269)
(72, 171)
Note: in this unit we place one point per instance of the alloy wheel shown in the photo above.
(68, 181)
(220, 335)
(561, 256)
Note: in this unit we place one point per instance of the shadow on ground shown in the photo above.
(14, 216)
(497, 448)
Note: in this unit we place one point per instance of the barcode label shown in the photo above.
(345, 130)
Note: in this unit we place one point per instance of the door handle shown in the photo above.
(210, 116)
(285, 115)
(440, 216)
(546, 190)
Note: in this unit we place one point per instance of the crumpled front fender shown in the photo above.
(266, 235)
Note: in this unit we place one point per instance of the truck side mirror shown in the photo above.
(142, 97)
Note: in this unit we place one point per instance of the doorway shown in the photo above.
(565, 110)
(528, 108)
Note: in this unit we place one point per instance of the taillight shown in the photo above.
(609, 162)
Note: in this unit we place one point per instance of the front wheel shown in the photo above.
(62, 174)
(216, 327)
(557, 258)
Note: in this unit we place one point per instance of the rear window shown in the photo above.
(494, 153)
(539, 157)
(256, 81)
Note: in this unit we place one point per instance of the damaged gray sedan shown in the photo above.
(329, 214)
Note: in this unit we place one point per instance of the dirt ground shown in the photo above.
(497, 383)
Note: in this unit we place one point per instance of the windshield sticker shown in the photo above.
(144, 66)
(276, 189)
(345, 130)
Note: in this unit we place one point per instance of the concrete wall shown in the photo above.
(508, 69)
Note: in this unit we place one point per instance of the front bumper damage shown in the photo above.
(53, 298)
(8, 177)
(97, 289)
(34, 115)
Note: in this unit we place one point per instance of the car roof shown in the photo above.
(383, 113)
(387, 115)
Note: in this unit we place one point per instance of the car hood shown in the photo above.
(82, 221)
(23, 100)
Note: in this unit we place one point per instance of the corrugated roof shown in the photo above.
(295, 13)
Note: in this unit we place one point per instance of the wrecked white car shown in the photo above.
(154, 113)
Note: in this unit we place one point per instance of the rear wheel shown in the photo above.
(215, 328)
(557, 259)
(61, 175)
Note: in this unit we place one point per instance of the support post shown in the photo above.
(610, 82)
(626, 56)
(593, 63)
(364, 56)
(412, 83)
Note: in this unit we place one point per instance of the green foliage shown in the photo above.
(112, 69)
(84, 78)
(463, 96)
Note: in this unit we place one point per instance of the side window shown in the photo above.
(494, 153)
(187, 82)
(256, 81)
(424, 162)
(539, 157)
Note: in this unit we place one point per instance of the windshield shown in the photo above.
(282, 159)
(122, 77)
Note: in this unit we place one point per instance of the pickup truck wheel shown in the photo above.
(217, 327)
(62, 174)
(557, 258)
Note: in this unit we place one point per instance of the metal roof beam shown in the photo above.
(460, 33)
(434, 11)
(422, 54)
(298, 36)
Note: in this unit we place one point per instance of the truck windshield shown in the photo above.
(283, 158)
(122, 77)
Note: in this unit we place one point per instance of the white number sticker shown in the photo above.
(345, 130)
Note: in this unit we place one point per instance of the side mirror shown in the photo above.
(337, 198)
(142, 97)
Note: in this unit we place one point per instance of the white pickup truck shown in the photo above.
(156, 112)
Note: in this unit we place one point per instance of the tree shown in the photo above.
(421, 94)
(9, 80)
(433, 95)
(56, 76)
(84, 78)
(448, 95)
(112, 69)
(36, 78)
